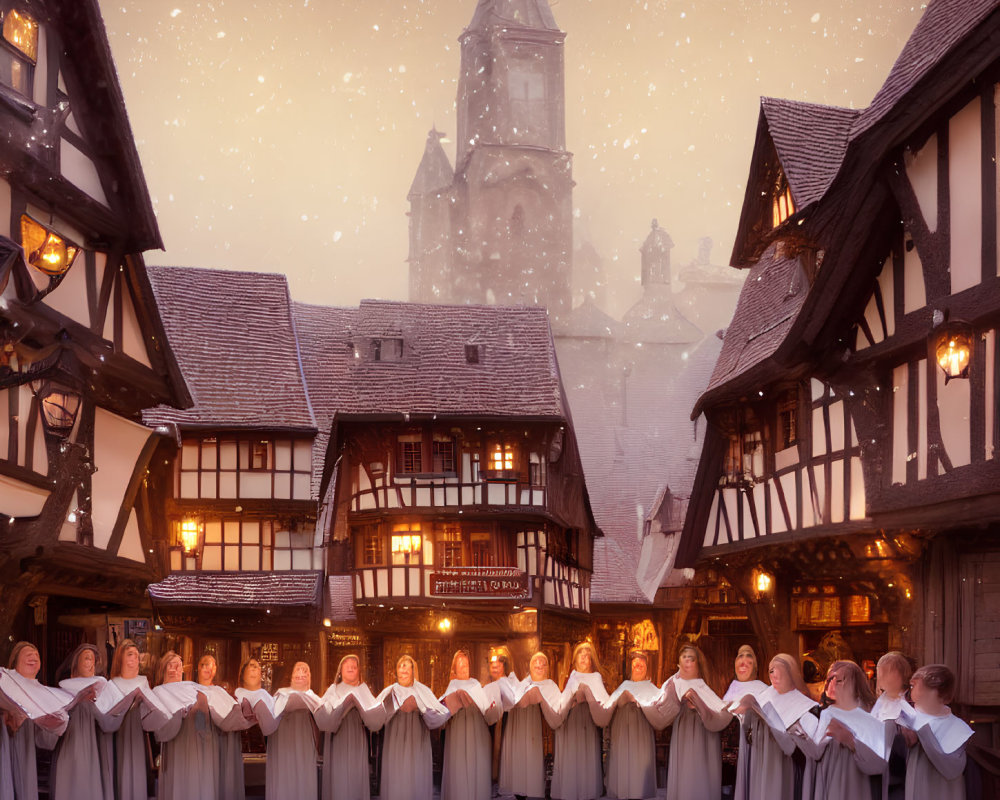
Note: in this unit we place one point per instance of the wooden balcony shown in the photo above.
(448, 493)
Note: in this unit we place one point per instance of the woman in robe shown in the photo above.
(41, 724)
(293, 747)
(935, 765)
(632, 752)
(348, 709)
(694, 770)
(225, 723)
(83, 763)
(522, 755)
(849, 745)
(252, 695)
(892, 675)
(776, 766)
(468, 760)
(407, 761)
(745, 683)
(576, 772)
(145, 713)
(189, 753)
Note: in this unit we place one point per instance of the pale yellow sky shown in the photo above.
(282, 135)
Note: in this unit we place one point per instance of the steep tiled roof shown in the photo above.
(517, 374)
(942, 27)
(587, 321)
(770, 301)
(523, 13)
(811, 141)
(435, 172)
(239, 589)
(236, 346)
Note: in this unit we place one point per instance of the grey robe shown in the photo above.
(932, 774)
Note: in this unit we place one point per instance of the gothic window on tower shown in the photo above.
(19, 51)
(526, 87)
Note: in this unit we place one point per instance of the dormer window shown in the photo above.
(472, 354)
(20, 51)
(44, 249)
(390, 349)
(782, 206)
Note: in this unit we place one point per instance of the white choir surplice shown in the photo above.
(772, 770)
(146, 713)
(888, 709)
(292, 747)
(833, 772)
(227, 720)
(576, 772)
(694, 770)
(468, 759)
(189, 749)
(45, 721)
(935, 766)
(407, 761)
(522, 759)
(632, 753)
(83, 763)
(346, 712)
(750, 729)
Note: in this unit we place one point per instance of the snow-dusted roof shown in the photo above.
(235, 343)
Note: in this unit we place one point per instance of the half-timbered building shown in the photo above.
(235, 478)
(459, 513)
(82, 347)
(847, 500)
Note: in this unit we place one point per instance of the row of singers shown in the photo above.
(788, 747)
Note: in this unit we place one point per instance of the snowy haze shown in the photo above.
(282, 136)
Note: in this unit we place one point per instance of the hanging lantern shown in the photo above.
(59, 407)
(953, 349)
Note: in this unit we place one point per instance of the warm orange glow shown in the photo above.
(763, 582)
(406, 538)
(189, 535)
(21, 31)
(502, 457)
(444, 625)
(45, 250)
(953, 353)
(782, 207)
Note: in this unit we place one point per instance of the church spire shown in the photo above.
(522, 13)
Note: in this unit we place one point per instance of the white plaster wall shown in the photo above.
(914, 291)
(966, 193)
(858, 502)
(79, 170)
(954, 411)
(900, 419)
(921, 169)
(117, 444)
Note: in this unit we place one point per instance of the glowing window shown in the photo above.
(44, 249)
(502, 457)
(782, 205)
(21, 31)
(450, 547)
(405, 544)
(17, 60)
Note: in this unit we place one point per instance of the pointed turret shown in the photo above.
(656, 256)
(430, 224)
(434, 173)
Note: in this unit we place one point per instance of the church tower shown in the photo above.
(514, 176)
(511, 196)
